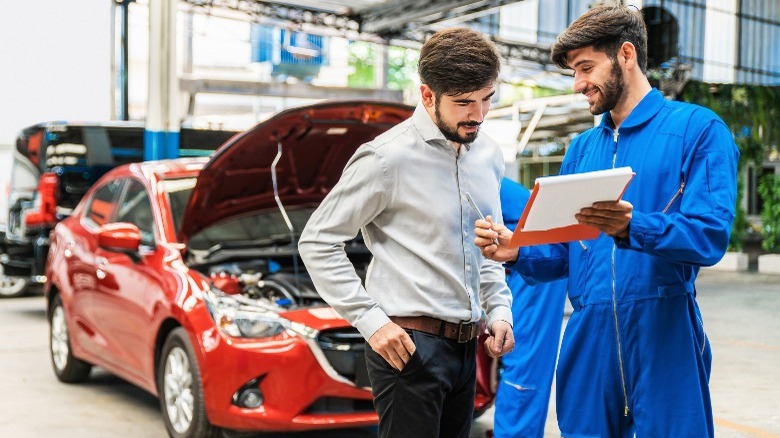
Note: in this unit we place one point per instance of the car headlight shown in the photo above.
(239, 318)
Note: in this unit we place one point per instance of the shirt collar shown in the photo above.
(428, 129)
(644, 111)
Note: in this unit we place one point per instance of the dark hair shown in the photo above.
(605, 28)
(458, 60)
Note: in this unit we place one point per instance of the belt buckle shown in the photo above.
(464, 337)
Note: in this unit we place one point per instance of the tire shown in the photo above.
(67, 368)
(181, 390)
(11, 286)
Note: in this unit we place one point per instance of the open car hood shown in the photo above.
(316, 143)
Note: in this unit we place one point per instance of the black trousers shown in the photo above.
(433, 396)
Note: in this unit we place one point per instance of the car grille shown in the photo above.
(338, 405)
(345, 351)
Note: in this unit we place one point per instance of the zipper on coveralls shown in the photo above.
(614, 304)
(674, 198)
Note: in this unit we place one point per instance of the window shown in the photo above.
(136, 208)
(101, 207)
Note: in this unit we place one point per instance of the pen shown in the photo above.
(479, 213)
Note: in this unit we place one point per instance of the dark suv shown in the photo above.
(54, 165)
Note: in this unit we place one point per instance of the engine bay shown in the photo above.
(271, 284)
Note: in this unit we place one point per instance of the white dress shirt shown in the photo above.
(406, 192)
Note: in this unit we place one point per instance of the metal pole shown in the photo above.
(381, 66)
(124, 106)
(161, 138)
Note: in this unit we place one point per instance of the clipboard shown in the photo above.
(548, 216)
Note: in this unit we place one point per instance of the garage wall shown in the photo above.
(56, 62)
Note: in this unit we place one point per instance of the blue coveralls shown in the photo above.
(524, 389)
(634, 357)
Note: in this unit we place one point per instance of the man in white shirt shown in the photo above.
(407, 192)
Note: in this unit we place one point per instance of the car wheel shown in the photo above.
(67, 368)
(181, 390)
(11, 286)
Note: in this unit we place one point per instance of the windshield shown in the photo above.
(178, 191)
(258, 228)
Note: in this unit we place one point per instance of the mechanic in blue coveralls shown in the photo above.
(634, 357)
(524, 389)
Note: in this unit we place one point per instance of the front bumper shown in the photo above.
(25, 258)
(301, 390)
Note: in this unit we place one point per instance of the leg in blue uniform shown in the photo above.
(524, 388)
(674, 356)
(662, 371)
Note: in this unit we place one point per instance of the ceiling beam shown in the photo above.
(395, 17)
(406, 23)
(294, 13)
(281, 89)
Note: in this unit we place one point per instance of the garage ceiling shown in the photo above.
(396, 22)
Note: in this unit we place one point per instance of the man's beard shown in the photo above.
(451, 132)
(611, 92)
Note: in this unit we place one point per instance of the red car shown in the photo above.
(183, 277)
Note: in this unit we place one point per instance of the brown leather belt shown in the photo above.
(461, 332)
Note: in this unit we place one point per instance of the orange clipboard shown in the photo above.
(555, 200)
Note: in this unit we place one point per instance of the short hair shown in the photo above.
(605, 29)
(458, 60)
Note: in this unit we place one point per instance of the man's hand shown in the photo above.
(393, 344)
(488, 234)
(501, 340)
(611, 217)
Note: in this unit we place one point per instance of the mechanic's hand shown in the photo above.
(393, 344)
(611, 217)
(501, 340)
(488, 234)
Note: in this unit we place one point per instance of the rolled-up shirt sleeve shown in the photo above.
(358, 197)
(495, 296)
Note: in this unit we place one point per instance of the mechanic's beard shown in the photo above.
(611, 92)
(451, 132)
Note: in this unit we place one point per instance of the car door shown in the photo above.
(80, 258)
(129, 286)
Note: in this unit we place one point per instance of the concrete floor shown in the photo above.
(741, 315)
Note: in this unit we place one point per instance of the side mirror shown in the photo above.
(120, 237)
